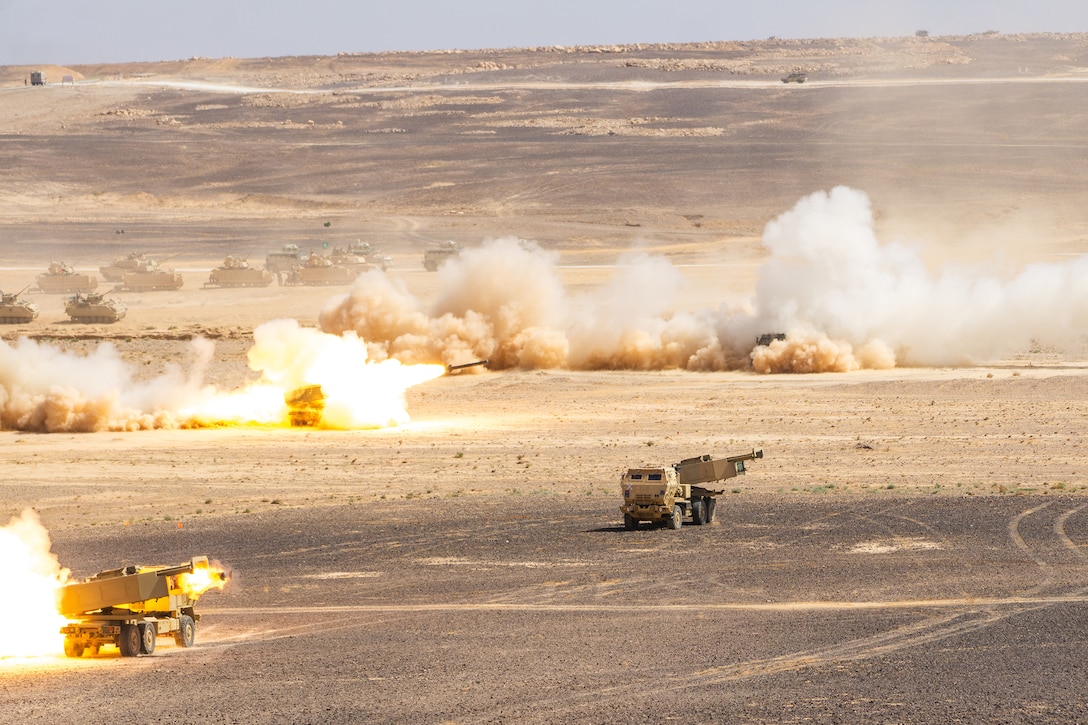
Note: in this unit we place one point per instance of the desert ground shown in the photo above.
(911, 548)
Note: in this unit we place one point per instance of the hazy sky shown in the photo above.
(67, 32)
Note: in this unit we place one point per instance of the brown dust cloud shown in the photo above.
(844, 299)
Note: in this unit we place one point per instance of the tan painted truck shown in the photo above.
(666, 495)
(129, 607)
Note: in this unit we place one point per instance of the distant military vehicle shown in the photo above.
(62, 279)
(94, 308)
(768, 337)
(37, 78)
(128, 608)
(666, 494)
(305, 406)
(129, 263)
(370, 255)
(149, 276)
(283, 260)
(237, 273)
(320, 271)
(349, 260)
(795, 77)
(14, 311)
(434, 257)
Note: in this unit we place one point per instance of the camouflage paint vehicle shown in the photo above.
(14, 311)
(283, 260)
(61, 279)
(94, 308)
(435, 257)
(370, 255)
(149, 276)
(665, 495)
(320, 271)
(130, 607)
(129, 263)
(349, 260)
(238, 273)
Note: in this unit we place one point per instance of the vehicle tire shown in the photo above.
(186, 634)
(129, 641)
(630, 522)
(148, 636)
(710, 506)
(72, 647)
(698, 512)
(677, 518)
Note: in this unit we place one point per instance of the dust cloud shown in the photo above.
(845, 300)
(46, 389)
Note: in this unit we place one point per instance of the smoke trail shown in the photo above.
(46, 389)
(845, 300)
(31, 576)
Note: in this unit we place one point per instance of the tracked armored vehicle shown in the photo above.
(435, 257)
(14, 311)
(94, 308)
(665, 495)
(238, 273)
(795, 77)
(130, 607)
(129, 263)
(283, 260)
(149, 277)
(61, 279)
(320, 271)
(349, 260)
(370, 255)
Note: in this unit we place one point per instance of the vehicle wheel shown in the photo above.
(186, 633)
(129, 641)
(677, 518)
(148, 635)
(630, 522)
(73, 647)
(698, 512)
(710, 505)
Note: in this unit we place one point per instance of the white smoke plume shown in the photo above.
(46, 389)
(845, 300)
(31, 575)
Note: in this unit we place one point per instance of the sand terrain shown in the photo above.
(911, 548)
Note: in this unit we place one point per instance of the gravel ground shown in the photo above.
(876, 608)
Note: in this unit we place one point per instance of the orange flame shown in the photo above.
(359, 392)
(201, 579)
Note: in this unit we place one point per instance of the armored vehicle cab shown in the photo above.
(668, 494)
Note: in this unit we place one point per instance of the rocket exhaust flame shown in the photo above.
(203, 578)
(31, 576)
(46, 389)
(846, 300)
